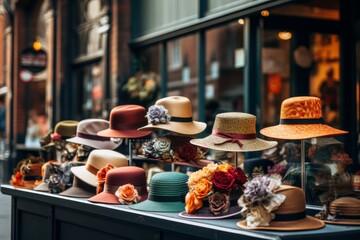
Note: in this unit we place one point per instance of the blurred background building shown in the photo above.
(72, 59)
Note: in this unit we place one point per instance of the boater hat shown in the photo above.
(124, 122)
(344, 211)
(173, 114)
(167, 193)
(86, 134)
(301, 118)
(290, 215)
(234, 132)
(118, 177)
(98, 159)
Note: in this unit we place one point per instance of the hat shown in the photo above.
(66, 129)
(98, 159)
(167, 193)
(118, 177)
(79, 189)
(213, 192)
(343, 211)
(301, 118)
(173, 114)
(290, 215)
(256, 166)
(86, 134)
(29, 173)
(124, 122)
(45, 172)
(234, 132)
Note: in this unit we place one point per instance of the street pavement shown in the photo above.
(5, 207)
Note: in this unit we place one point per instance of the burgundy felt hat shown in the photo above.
(118, 177)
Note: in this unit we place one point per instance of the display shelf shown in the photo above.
(39, 215)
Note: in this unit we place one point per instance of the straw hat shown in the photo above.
(344, 211)
(86, 134)
(118, 177)
(234, 132)
(167, 193)
(177, 115)
(301, 118)
(291, 214)
(31, 172)
(124, 122)
(79, 189)
(66, 129)
(98, 159)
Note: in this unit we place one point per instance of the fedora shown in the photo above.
(173, 114)
(29, 172)
(284, 210)
(342, 211)
(79, 189)
(166, 194)
(117, 177)
(234, 132)
(86, 134)
(66, 129)
(124, 122)
(43, 186)
(301, 118)
(98, 159)
(213, 192)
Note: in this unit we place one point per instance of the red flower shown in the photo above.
(239, 176)
(187, 152)
(55, 137)
(223, 181)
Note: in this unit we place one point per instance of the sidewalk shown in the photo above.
(5, 216)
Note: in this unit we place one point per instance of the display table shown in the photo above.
(39, 215)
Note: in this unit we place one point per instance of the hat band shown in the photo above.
(114, 188)
(181, 119)
(31, 178)
(93, 137)
(339, 215)
(156, 198)
(290, 216)
(127, 126)
(302, 121)
(233, 138)
(91, 169)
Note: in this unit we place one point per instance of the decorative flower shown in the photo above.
(148, 149)
(55, 137)
(162, 145)
(259, 200)
(56, 183)
(157, 114)
(101, 176)
(127, 194)
(214, 183)
(219, 203)
(17, 179)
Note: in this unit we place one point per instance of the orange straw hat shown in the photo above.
(173, 114)
(301, 118)
(234, 132)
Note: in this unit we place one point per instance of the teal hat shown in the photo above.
(166, 194)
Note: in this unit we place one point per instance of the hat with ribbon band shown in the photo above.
(234, 132)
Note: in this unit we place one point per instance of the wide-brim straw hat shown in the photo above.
(291, 215)
(98, 159)
(118, 177)
(66, 129)
(181, 117)
(166, 194)
(301, 118)
(124, 122)
(86, 134)
(234, 132)
(346, 211)
(79, 189)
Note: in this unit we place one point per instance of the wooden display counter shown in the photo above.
(39, 215)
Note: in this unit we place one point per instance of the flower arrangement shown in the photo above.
(127, 194)
(101, 176)
(157, 114)
(259, 200)
(213, 184)
(161, 148)
(141, 88)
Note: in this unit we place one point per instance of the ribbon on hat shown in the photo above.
(290, 216)
(113, 188)
(181, 119)
(92, 137)
(302, 121)
(233, 138)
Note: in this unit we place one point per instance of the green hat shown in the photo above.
(167, 193)
(66, 129)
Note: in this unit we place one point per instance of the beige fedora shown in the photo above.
(234, 132)
(98, 159)
(173, 114)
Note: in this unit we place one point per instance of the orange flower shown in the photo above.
(209, 170)
(127, 194)
(225, 167)
(17, 179)
(192, 203)
(99, 188)
(195, 178)
(202, 188)
(101, 174)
